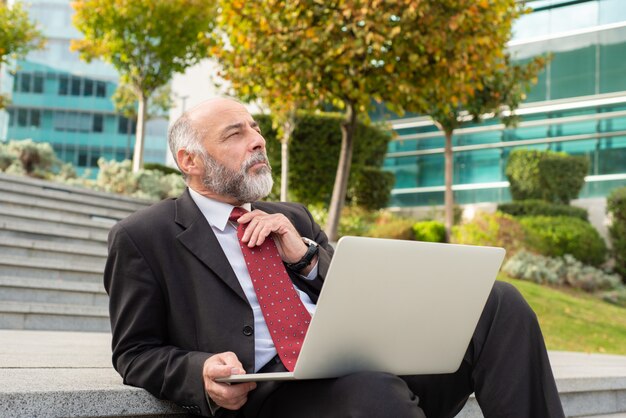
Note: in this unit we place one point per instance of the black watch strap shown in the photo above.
(311, 252)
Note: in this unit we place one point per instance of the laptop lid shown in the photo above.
(402, 307)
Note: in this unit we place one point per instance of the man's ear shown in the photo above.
(188, 162)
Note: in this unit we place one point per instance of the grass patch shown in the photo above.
(573, 320)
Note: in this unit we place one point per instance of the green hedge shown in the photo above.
(313, 157)
(556, 236)
(431, 231)
(492, 229)
(616, 206)
(551, 176)
(536, 207)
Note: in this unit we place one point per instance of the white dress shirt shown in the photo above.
(217, 214)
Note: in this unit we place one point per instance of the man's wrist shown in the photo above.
(303, 265)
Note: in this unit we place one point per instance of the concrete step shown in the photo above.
(43, 220)
(50, 316)
(34, 268)
(25, 229)
(20, 201)
(64, 193)
(23, 247)
(21, 289)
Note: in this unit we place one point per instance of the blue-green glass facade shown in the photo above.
(59, 99)
(578, 106)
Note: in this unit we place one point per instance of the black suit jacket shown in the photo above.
(175, 300)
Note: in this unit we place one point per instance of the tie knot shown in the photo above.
(236, 213)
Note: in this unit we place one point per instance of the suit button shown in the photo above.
(247, 330)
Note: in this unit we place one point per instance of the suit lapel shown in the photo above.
(198, 238)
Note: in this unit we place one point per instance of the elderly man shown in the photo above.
(185, 279)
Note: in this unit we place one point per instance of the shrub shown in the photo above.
(117, 177)
(551, 176)
(392, 226)
(354, 221)
(616, 206)
(35, 159)
(372, 188)
(314, 154)
(616, 296)
(534, 207)
(559, 235)
(431, 231)
(161, 167)
(495, 229)
(559, 271)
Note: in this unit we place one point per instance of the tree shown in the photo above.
(337, 53)
(18, 36)
(252, 60)
(470, 73)
(146, 41)
(125, 102)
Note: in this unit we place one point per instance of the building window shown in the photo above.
(22, 117)
(126, 126)
(25, 80)
(101, 89)
(88, 87)
(97, 122)
(35, 118)
(38, 83)
(63, 85)
(75, 86)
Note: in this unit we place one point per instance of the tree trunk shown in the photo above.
(288, 128)
(343, 172)
(448, 195)
(139, 137)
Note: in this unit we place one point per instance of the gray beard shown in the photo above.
(241, 185)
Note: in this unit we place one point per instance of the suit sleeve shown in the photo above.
(141, 353)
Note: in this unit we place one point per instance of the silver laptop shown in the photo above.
(402, 307)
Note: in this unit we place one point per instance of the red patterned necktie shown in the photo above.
(286, 317)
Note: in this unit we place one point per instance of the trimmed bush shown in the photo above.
(616, 207)
(430, 231)
(616, 296)
(117, 177)
(35, 159)
(556, 236)
(559, 271)
(392, 226)
(372, 188)
(314, 154)
(161, 167)
(551, 176)
(536, 207)
(493, 229)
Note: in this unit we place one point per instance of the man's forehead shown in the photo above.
(218, 112)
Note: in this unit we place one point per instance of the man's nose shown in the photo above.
(257, 141)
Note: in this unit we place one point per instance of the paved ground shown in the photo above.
(44, 361)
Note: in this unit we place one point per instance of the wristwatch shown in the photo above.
(311, 252)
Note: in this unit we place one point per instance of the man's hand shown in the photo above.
(261, 225)
(223, 394)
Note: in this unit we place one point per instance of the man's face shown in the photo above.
(235, 161)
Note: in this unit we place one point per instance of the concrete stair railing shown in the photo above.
(52, 254)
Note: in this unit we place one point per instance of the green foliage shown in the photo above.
(546, 175)
(161, 167)
(313, 154)
(430, 231)
(535, 207)
(616, 296)
(559, 271)
(560, 235)
(18, 36)
(146, 41)
(159, 103)
(117, 177)
(372, 188)
(354, 221)
(616, 207)
(392, 226)
(35, 159)
(491, 229)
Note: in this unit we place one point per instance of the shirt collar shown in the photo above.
(215, 212)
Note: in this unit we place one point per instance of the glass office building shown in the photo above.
(57, 98)
(578, 106)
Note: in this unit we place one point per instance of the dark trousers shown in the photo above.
(506, 365)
